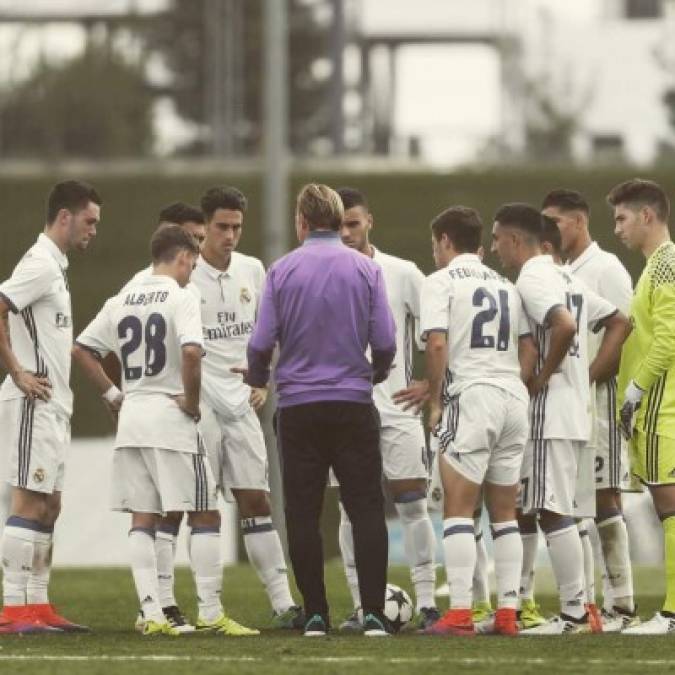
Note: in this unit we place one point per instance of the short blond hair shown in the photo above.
(320, 206)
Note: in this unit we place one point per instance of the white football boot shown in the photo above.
(559, 625)
(658, 625)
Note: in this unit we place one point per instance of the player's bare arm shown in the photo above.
(30, 384)
(527, 356)
(606, 362)
(91, 366)
(563, 330)
(436, 357)
(192, 380)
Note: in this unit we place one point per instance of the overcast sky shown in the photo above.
(449, 97)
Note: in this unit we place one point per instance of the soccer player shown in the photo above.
(559, 314)
(474, 326)
(191, 220)
(647, 371)
(158, 464)
(230, 285)
(36, 335)
(604, 274)
(402, 442)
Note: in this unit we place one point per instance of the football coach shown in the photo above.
(324, 305)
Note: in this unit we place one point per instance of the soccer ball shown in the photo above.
(398, 607)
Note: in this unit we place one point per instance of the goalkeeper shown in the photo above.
(646, 382)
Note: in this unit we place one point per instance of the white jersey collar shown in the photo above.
(158, 279)
(535, 260)
(591, 251)
(463, 259)
(53, 250)
(214, 272)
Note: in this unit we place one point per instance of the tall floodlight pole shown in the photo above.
(275, 119)
(275, 190)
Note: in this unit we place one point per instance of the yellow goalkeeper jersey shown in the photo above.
(648, 356)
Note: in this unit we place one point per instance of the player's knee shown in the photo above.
(411, 506)
(551, 522)
(204, 519)
(607, 501)
(527, 524)
(172, 520)
(253, 503)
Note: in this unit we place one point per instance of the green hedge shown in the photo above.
(402, 203)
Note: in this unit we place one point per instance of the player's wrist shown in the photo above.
(112, 395)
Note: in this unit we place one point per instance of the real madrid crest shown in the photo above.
(245, 295)
(39, 475)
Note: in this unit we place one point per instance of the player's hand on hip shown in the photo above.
(112, 399)
(33, 386)
(241, 370)
(414, 396)
(190, 411)
(632, 399)
(435, 415)
(258, 397)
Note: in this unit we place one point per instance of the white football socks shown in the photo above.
(165, 549)
(614, 540)
(37, 590)
(567, 560)
(508, 551)
(18, 546)
(530, 542)
(263, 547)
(5, 503)
(420, 544)
(589, 561)
(207, 570)
(459, 546)
(346, 542)
(144, 570)
(481, 576)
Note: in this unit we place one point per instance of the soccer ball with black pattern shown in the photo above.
(398, 607)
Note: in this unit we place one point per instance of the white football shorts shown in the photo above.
(236, 451)
(154, 480)
(482, 434)
(609, 447)
(35, 437)
(404, 450)
(557, 475)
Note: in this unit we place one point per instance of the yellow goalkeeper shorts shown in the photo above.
(653, 458)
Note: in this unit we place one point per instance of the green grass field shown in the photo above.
(105, 600)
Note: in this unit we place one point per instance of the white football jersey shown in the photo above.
(403, 281)
(41, 324)
(147, 272)
(562, 408)
(604, 274)
(482, 314)
(146, 326)
(229, 306)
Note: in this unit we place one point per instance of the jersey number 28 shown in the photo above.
(499, 305)
(130, 329)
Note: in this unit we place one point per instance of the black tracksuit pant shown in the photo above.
(345, 436)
